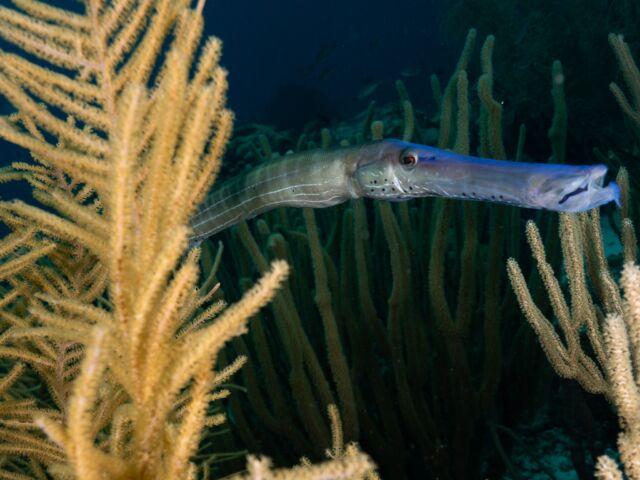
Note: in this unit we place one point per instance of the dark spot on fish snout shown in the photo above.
(577, 191)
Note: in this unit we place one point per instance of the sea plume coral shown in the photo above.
(123, 111)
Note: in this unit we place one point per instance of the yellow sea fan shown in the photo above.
(123, 109)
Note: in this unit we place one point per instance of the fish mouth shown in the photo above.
(582, 192)
(594, 181)
(577, 191)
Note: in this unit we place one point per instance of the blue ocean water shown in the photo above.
(291, 61)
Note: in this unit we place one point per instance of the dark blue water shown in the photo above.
(290, 61)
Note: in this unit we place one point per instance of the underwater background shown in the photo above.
(412, 327)
(322, 69)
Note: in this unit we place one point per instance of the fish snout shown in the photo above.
(579, 190)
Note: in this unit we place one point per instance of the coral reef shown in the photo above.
(595, 342)
(531, 35)
(399, 314)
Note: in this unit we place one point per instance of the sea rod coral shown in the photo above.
(122, 108)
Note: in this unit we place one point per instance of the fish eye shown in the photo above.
(408, 158)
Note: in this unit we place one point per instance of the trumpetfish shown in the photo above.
(397, 170)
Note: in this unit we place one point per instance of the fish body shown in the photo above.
(396, 170)
(316, 179)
